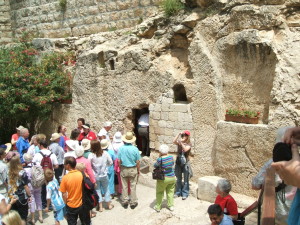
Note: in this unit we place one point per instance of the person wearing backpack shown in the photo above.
(45, 159)
(54, 196)
(56, 149)
(36, 201)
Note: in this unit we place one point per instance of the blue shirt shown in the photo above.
(226, 220)
(22, 146)
(129, 154)
(55, 195)
(62, 142)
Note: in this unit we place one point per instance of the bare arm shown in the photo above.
(234, 217)
(138, 165)
(65, 195)
(185, 148)
(13, 142)
(176, 138)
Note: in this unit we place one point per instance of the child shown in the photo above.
(54, 196)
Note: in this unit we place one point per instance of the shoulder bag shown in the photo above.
(159, 173)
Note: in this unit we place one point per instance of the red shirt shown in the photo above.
(228, 204)
(91, 136)
(15, 137)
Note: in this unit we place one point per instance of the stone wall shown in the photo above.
(80, 17)
(5, 22)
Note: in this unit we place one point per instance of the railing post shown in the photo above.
(268, 213)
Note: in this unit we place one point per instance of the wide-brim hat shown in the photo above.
(8, 147)
(117, 137)
(79, 151)
(104, 143)
(129, 137)
(20, 127)
(54, 136)
(86, 144)
(72, 144)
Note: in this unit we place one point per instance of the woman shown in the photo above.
(12, 217)
(182, 140)
(225, 200)
(63, 138)
(88, 168)
(100, 162)
(36, 196)
(168, 184)
(18, 187)
(80, 122)
(116, 144)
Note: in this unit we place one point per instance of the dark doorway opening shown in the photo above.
(179, 94)
(141, 129)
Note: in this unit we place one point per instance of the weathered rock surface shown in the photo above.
(241, 54)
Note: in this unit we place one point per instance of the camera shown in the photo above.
(282, 152)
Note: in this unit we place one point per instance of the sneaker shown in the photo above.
(133, 205)
(184, 198)
(156, 209)
(125, 205)
(171, 208)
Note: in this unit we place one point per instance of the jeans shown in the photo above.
(102, 184)
(168, 185)
(182, 189)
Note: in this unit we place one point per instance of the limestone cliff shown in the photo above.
(235, 54)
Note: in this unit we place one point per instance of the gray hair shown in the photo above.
(23, 131)
(224, 185)
(107, 124)
(164, 149)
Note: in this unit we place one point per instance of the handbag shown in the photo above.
(158, 173)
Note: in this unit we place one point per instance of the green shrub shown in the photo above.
(171, 7)
(30, 82)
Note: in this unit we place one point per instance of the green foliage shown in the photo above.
(171, 7)
(30, 83)
(63, 5)
(242, 112)
(110, 29)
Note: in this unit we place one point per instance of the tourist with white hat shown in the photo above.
(56, 149)
(115, 145)
(15, 137)
(71, 147)
(104, 132)
(129, 161)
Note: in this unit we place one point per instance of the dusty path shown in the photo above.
(188, 212)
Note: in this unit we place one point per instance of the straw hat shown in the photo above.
(117, 137)
(129, 137)
(79, 151)
(54, 136)
(86, 144)
(72, 144)
(104, 143)
(20, 127)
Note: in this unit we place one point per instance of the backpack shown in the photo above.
(46, 161)
(37, 176)
(90, 198)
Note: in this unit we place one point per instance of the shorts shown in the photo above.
(59, 215)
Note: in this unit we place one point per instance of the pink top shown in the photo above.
(88, 167)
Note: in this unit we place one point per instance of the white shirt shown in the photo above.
(103, 132)
(70, 153)
(37, 159)
(144, 120)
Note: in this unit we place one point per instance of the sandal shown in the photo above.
(100, 210)
(111, 206)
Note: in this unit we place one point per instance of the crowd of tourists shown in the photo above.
(78, 175)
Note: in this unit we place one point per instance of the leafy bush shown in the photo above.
(171, 7)
(30, 83)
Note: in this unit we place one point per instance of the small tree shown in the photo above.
(29, 85)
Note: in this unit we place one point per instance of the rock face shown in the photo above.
(187, 71)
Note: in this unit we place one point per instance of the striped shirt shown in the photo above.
(167, 164)
(55, 195)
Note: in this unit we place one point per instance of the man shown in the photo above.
(129, 163)
(37, 159)
(217, 217)
(87, 133)
(56, 149)
(23, 143)
(71, 188)
(15, 137)
(104, 132)
(143, 130)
